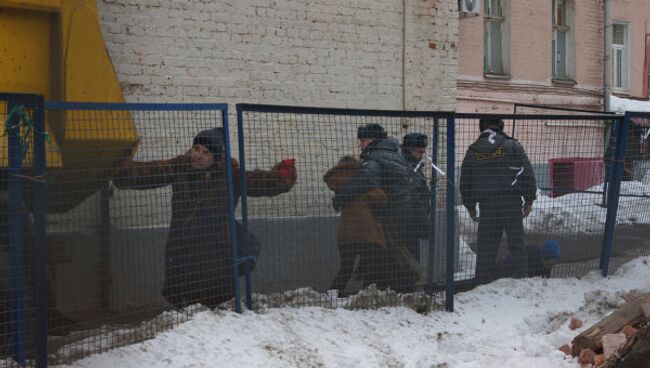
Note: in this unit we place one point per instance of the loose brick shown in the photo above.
(575, 324)
(566, 349)
(612, 343)
(587, 356)
(629, 331)
(599, 360)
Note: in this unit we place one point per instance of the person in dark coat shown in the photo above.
(359, 234)
(384, 167)
(414, 150)
(497, 175)
(198, 256)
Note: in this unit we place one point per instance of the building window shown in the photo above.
(562, 43)
(495, 43)
(620, 50)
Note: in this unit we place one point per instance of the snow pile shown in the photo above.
(577, 212)
(509, 323)
(621, 105)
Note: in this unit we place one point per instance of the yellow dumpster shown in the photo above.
(55, 48)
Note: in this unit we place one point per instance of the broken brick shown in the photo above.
(629, 331)
(586, 356)
(599, 359)
(566, 349)
(612, 343)
(574, 323)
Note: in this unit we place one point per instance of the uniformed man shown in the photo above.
(414, 147)
(497, 176)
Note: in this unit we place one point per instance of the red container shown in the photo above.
(571, 174)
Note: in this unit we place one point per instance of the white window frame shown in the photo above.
(500, 67)
(563, 58)
(620, 58)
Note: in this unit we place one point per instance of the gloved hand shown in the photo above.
(286, 170)
(287, 167)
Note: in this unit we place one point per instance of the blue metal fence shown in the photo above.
(301, 250)
(85, 282)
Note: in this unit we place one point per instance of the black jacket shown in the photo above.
(496, 168)
(383, 167)
(422, 195)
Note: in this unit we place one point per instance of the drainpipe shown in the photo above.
(403, 54)
(607, 65)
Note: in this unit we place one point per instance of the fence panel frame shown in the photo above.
(36, 102)
(242, 108)
(16, 239)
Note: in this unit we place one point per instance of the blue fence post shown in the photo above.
(433, 205)
(16, 241)
(244, 202)
(614, 192)
(231, 210)
(40, 224)
(451, 212)
(609, 157)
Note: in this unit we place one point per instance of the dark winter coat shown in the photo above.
(384, 167)
(198, 257)
(496, 168)
(358, 222)
(422, 202)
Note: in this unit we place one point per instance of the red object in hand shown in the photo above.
(286, 166)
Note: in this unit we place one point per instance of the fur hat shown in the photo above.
(212, 139)
(415, 140)
(371, 130)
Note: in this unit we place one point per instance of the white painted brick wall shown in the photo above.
(328, 53)
(333, 53)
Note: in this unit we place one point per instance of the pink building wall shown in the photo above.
(637, 14)
(530, 78)
(530, 73)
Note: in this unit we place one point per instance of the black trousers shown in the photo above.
(495, 218)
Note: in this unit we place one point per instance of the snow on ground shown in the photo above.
(577, 212)
(509, 323)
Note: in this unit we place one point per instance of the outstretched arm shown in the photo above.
(267, 183)
(151, 174)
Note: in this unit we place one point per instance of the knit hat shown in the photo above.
(212, 139)
(550, 250)
(371, 130)
(415, 140)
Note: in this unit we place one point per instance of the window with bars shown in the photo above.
(495, 41)
(561, 39)
(620, 51)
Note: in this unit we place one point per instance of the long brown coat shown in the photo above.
(198, 256)
(358, 222)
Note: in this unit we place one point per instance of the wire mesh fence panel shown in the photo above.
(534, 205)
(633, 214)
(353, 231)
(21, 233)
(137, 225)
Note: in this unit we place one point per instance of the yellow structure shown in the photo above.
(55, 48)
